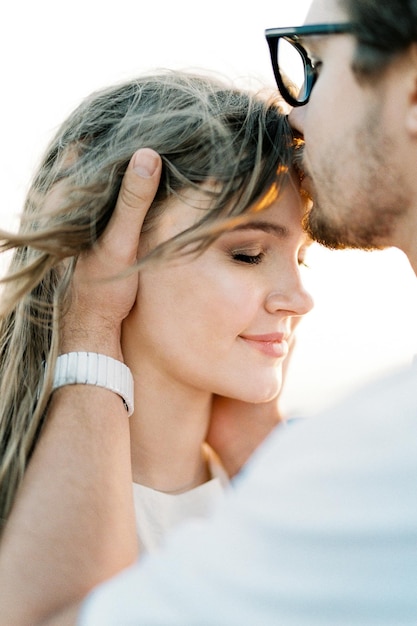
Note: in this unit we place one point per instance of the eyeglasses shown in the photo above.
(295, 72)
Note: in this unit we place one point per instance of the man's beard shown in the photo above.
(360, 217)
(337, 236)
(371, 228)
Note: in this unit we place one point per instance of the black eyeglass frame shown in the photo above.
(293, 34)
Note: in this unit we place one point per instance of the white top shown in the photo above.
(320, 531)
(157, 512)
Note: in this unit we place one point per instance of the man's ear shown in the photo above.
(411, 119)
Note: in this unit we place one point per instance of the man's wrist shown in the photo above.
(88, 339)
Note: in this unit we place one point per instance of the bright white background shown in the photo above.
(55, 53)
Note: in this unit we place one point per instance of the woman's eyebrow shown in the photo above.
(273, 229)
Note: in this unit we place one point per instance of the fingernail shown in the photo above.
(145, 162)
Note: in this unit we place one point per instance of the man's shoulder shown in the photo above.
(374, 427)
(388, 402)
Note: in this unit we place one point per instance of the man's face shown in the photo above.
(352, 144)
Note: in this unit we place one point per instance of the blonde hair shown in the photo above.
(205, 132)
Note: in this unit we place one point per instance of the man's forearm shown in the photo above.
(73, 522)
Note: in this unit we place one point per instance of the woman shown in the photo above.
(219, 284)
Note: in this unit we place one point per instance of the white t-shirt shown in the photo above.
(157, 512)
(321, 530)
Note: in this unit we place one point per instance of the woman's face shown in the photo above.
(220, 322)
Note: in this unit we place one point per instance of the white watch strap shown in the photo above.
(91, 368)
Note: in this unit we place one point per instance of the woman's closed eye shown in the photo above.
(247, 257)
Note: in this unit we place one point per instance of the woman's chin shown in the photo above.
(261, 394)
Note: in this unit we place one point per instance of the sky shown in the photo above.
(54, 54)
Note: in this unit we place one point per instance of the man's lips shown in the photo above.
(272, 344)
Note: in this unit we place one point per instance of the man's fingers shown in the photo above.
(137, 192)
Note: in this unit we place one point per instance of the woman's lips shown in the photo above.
(274, 345)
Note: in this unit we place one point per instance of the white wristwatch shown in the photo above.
(90, 368)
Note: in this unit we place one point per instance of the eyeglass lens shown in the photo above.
(292, 69)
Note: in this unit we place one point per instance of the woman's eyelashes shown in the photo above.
(255, 253)
(317, 66)
(255, 259)
(302, 254)
(247, 257)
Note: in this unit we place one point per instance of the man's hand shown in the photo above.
(237, 428)
(100, 299)
(72, 524)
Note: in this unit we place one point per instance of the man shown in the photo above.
(322, 527)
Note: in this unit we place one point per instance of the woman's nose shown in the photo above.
(292, 298)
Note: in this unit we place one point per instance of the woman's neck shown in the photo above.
(167, 429)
